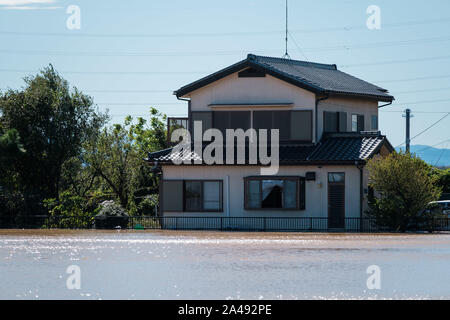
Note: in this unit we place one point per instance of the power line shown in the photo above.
(423, 101)
(393, 62)
(414, 79)
(127, 91)
(422, 90)
(220, 53)
(215, 34)
(442, 153)
(426, 129)
(435, 145)
(399, 111)
(115, 72)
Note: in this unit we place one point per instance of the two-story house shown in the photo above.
(328, 129)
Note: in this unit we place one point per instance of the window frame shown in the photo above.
(300, 205)
(340, 121)
(373, 118)
(309, 113)
(202, 195)
(360, 120)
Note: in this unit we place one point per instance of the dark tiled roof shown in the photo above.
(333, 148)
(316, 77)
(348, 147)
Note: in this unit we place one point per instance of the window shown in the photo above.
(192, 196)
(287, 193)
(202, 196)
(357, 122)
(374, 120)
(330, 121)
(334, 121)
(205, 117)
(273, 120)
(231, 120)
(292, 125)
(301, 125)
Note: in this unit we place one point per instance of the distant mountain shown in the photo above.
(433, 156)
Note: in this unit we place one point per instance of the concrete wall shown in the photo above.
(316, 191)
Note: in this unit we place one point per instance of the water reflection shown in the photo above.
(210, 265)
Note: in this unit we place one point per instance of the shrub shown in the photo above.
(405, 187)
(110, 209)
(68, 212)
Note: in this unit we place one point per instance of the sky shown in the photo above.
(131, 55)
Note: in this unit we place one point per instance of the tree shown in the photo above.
(117, 155)
(405, 186)
(53, 122)
(443, 179)
(11, 149)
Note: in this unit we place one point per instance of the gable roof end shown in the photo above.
(316, 77)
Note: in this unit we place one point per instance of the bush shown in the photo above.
(68, 212)
(110, 209)
(147, 206)
(111, 216)
(404, 186)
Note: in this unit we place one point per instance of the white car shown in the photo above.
(444, 205)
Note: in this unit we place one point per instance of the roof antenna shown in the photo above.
(286, 54)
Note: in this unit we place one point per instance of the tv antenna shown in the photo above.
(286, 54)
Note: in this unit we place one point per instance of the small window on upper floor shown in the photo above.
(334, 121)
(374, 121)
(357, 122)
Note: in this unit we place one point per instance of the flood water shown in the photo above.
(214, 265)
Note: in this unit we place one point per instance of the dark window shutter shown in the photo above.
(360, 123)
(280, 121)
(221, 120)
(172, 194)
(239, 120)
(204, 117)
(301, 125)
(330, 121)
(342, 121)
(262, 120)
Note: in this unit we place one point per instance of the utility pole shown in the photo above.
(408, 116)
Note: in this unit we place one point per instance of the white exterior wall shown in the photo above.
(268, 89)
(316, 191)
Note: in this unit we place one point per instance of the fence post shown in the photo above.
(310, 224)
(265, 219)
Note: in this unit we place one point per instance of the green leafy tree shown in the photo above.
(69, 211)
(53, 122)
(11, 149)
(116, 157)
(405, 186)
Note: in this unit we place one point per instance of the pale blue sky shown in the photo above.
(130, 55)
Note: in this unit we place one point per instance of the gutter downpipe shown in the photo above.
(317, 116)
(189, 109)
(384, 105)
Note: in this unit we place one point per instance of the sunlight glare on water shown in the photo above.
(214, 265)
